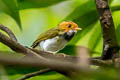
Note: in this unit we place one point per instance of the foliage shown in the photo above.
(37, 16)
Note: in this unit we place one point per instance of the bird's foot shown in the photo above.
(62, 54)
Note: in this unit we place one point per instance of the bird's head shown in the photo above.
(68, 26)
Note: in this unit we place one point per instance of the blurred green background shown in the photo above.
(28, 18)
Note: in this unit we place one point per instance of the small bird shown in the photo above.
(56, 38)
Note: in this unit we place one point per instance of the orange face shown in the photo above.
(68, 25)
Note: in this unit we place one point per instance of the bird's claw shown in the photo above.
(62, 54)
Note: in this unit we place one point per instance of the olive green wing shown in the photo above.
(46, 35)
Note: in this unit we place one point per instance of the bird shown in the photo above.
(55, 39)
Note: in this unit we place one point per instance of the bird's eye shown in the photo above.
(69, 26)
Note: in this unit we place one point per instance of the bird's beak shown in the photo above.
(78, 28)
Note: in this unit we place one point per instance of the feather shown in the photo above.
(46, 35)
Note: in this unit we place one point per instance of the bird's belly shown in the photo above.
(54, 44)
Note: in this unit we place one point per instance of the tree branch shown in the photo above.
(14, 45)
(64, 67)
(110, 45)
(55, 63)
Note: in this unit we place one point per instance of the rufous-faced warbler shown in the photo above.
(56, 38)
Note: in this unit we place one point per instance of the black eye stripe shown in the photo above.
(69, 25)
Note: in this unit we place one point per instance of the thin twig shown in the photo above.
(9, 32)
(29, 75)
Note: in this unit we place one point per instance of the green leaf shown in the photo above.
(95, 38)
(81, 10)
(118, 33)
(116, 18)
(115, 8)
(10, 8)
(26, 4)
(110, 1)
(85, 15)
(3, 74)
(87, 22)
